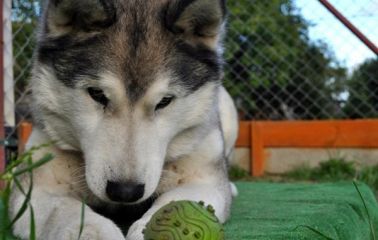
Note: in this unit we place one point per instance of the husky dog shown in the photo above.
(130, 94)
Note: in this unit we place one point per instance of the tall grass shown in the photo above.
(23, 165)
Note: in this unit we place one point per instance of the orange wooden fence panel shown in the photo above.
(244, 138)
(258, 135)
(304, 134)
(24, 131)
(319, 134)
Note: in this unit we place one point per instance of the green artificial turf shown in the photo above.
(300, 211)
(290, 211)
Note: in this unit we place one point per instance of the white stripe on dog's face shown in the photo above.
(123, 143)
(126, 141)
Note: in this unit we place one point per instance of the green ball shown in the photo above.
(184, 220)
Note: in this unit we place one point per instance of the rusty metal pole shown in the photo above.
(350, 26)
(2, 135)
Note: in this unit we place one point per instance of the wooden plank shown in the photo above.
(258, 135)
(244, 138)
(308, 134)
(24, 132)
(321, 134)
(257, 150)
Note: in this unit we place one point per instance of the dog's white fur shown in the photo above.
(158, 149)
(178, 153)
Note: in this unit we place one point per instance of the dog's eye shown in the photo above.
(164, 102)
(98, 95)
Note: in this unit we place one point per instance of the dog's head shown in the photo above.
(120, 80)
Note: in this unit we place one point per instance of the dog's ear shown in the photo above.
(196, 20)
(79, 15)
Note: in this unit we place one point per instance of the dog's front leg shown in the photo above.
(56, 200)
(218, 195)
(59, 218)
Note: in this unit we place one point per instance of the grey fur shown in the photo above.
(138, 42)
(100, 73)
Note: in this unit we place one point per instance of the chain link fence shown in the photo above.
(277, 68)
(283, 62)
(24, 16)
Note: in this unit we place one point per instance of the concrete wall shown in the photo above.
(280, 160)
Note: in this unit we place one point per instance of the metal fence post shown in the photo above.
(2, 152)
(9, 104)
(350, 26)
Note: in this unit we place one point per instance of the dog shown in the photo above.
(129, 95)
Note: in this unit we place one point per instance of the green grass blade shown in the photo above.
(4, 199)
(19, 186)
(45, 159)
(19, 214)
(14, 163)
(82, 220)
(24, 205)
(367, 211)
(10, 176)
(315, 231)
(21, 159)
(3, 217)
(32, 224)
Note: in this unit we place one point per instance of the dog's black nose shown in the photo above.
(124, 191)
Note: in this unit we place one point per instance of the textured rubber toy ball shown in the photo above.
(184, 220)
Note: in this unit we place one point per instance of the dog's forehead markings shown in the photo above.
(138, 29)
(135, 48)
(140, 46)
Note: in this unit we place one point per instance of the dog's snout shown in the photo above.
(124, 191)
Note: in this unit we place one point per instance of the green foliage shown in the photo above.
(300, 173)
(363, 90)
(331, 170)
(273, 62)
(24, 165)
(237, 173)
(336, 170)
(369, 175)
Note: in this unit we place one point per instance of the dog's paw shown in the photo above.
(136, 230)
(93, 229)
